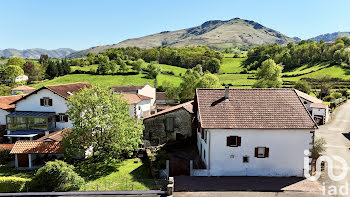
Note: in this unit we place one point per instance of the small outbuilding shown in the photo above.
(171, 124)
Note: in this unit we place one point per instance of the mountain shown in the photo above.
(35, 53)
(216, 34)
(330, 36)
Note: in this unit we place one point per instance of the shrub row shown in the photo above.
(12, 184)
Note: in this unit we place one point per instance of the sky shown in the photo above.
(81, 24)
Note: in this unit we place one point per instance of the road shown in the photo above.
(336, 133)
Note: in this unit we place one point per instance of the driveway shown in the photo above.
(336, 133)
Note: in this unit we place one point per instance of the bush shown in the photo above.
(327, 98)
(5, 156)
(336, 95)
(12, 184)
(56, 176)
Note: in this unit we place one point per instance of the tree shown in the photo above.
(336, 95)
(123, 67)
(34, 71)
(189, 84)
(44, 60)
(51, 70)
(171, 91)
(138, 65)
(269, 75)
(5, 90)
(319, 148)
(208, 80)
(199, 69)
(66, 66)
(59, 175)
(103, 64)
(213, 65)
(16, 61)
(101, 121)
(91, 58)
(303, 86)
(154, 70)
(325, 87)
(13, 71)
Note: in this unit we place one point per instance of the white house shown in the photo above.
(41, 112)
(145, 90)
(140, 106)
(252, 132)
(319, 111)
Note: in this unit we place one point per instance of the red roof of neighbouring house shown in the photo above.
(188, 106)
(126, 88)
(63, 90)
(6, 146)
(319, 105)
(308, 97)
(5, 101)
(134, 98)
(253, 109)
(161, 96)
(49, 144)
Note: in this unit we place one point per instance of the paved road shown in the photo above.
(336, 133)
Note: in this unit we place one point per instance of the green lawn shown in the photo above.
(336, 71)
(236, 79)
(84, 68)
(175, 69)
(128, 175)
(231, 65)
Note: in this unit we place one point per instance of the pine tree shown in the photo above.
(51, 70)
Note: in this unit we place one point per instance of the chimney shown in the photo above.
(227, 90)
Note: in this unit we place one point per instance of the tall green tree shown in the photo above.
(154, 70)
(51, 70)
(13, 71)
(101, 121)
(138, 65)
(189, 84)
(34, 71)
(16, 61)
(269, 75)
(209, 80)
(123, 67)
(303, 86)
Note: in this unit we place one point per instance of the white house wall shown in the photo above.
(286, 152)
(148, 91)
(32, 103)
(3, 114)
(143, 106)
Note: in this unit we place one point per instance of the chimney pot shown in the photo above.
(227, 88)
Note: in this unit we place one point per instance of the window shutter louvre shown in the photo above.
(238, 141)
(256, 152)
(266, 152)
(50, 102)
(228, 141)
(57, 118)
(41, 102)
(66, 118)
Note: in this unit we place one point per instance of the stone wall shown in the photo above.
(155, 129)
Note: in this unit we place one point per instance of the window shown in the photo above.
(305, 102)
(61, 118)
(261, 152)
(46, 101)
(233, 141)
(170, 124)
(245, 159)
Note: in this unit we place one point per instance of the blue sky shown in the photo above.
(80, 24)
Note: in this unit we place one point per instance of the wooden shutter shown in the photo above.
(57, 118)
(256, 152)
(66, 118)
(239, 141)
(50, 102)
(41, 102)
(228, 141)
(202, 133)
(266, 152)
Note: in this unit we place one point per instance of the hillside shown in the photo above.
(238, 32)
(35, 53)
(330, 36)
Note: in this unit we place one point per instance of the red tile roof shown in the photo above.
(126, 88)
(37, 147)
(6, 146)
(187, 106)
(63, 90)
(319, 105)
(161, 96)
(41, 145)
(5, 101)
(308, 97)
(134, 98)
(253, 109)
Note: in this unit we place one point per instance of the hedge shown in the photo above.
(5, 156)
(12, 184)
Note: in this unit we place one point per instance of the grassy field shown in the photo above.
(110, 80)
(231, 65)
(128, 175)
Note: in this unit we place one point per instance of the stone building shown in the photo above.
(171, 124)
